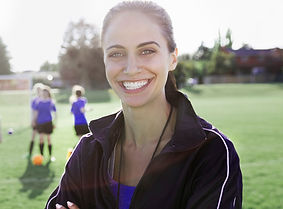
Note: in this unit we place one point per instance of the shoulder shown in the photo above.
(99, 128)
(217, 174)
(217, 142)
(74, 102)
(213, 132)
(52, 104)
(35, 99)
(105, 122)
(85, 147)
(217, 158)
(79, 102)
(87, 139)
(84, 99)
(80, 99)
(104, 119)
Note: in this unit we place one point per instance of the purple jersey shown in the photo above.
(44, 108)
(34, 103)
(79, 116)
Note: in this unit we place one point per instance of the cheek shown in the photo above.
(108, 73)
(160, 65)
(111, 70)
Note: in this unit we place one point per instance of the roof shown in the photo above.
(244, 51)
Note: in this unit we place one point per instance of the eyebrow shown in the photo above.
(147, 43)
(140, 45)
(115, 46)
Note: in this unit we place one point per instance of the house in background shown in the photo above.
(262, 65)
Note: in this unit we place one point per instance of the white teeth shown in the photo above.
(134, 85)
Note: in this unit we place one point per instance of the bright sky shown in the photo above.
(33, 30)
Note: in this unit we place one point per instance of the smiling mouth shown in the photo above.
(134, 85)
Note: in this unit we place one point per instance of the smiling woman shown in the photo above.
(137, 61)
(155, 152)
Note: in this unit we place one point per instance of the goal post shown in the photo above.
(12, 86)
(0, 131)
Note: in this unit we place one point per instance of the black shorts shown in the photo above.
(81, 129)
(45, 128)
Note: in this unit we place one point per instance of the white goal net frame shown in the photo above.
(14, 83)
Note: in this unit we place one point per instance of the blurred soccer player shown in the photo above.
(78, 110)
(37, 89)
(44, 120)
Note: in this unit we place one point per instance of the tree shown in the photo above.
(202, 53)
(185, 69)
(5, 67)
(205, 61)
(221, 62)
(49, 67)
(184, 57)
(180, 74)
(228, 40)
(201, 58)
(81, 58)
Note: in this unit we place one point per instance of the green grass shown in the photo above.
(251, 115)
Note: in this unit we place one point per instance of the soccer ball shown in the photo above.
(10, 131)
(37, 160)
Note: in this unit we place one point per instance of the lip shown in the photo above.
(137, 90)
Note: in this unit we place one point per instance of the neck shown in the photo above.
(144, 125)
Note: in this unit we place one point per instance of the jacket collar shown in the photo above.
(107, 130)
(188, 131)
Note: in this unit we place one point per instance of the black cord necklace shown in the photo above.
(153, 155)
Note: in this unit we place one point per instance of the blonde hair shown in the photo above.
(77, 91)
(37, 87)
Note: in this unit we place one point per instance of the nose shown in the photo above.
(132, 66)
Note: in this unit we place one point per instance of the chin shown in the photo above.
(134, 102)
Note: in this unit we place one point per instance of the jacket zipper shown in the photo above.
(143, 176)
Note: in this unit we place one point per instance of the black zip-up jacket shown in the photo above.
(197, 169)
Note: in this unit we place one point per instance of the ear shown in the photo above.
(173, 59)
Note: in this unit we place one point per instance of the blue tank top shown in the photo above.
(126, 193)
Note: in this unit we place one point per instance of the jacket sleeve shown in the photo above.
(69, 186)
(218, 179)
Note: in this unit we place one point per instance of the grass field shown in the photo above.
(251, 115)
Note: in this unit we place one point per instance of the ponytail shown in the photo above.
(171, 90)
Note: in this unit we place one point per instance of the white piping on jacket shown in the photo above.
(228, 168)
(56, 193)
(234, 202)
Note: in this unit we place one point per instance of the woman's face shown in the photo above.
(45, 94)
(137, 60)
